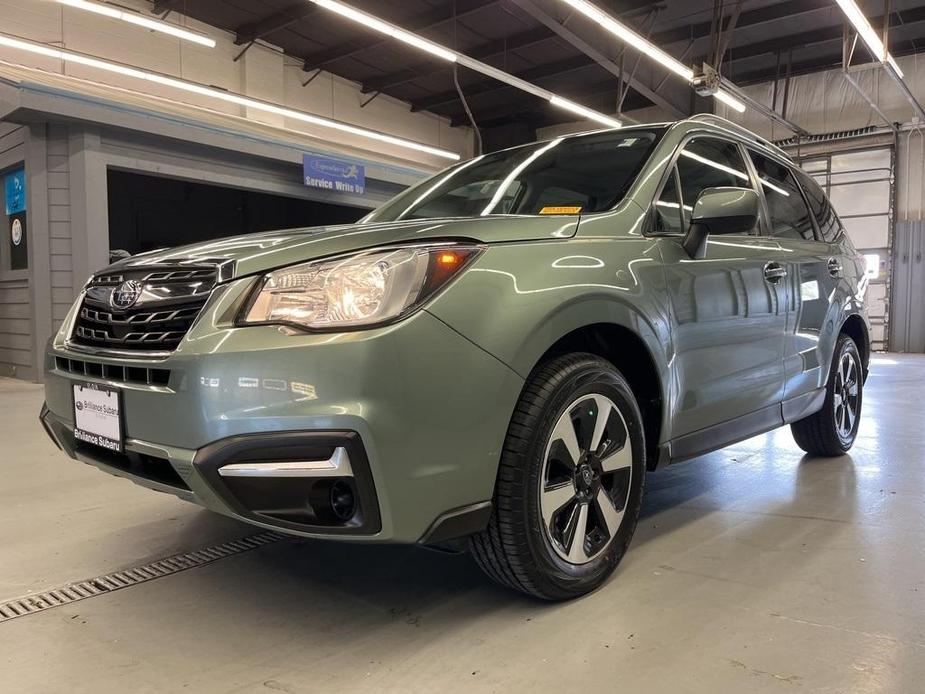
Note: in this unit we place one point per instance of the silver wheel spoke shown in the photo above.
(579, 520)
(837, 399)
(578, 525)
(619, 460)
(565, 432)
(853, 389)
(554, 499)
(600, 424)
(612, 517)
(850, 411)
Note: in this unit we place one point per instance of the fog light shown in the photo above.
(342, 500)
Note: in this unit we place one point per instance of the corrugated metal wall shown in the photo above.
(908, 324)
(59, 222)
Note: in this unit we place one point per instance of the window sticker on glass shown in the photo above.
(561, 210)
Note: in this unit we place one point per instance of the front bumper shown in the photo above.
(295, 492)
(421, 410)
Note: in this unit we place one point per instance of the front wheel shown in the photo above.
(831, 431)
(570, 482)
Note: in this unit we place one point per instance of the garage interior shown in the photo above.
(147, 212)
(754, 568)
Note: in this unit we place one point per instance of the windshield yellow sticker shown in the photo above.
(561, 210)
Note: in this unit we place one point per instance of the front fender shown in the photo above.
(519, 300)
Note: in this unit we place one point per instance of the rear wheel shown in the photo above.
(831, 431)
(570, 482)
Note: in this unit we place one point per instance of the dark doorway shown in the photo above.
(148, 212)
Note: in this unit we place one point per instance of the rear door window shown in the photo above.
(829, 225)
(789, 216)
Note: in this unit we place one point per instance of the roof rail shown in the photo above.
(723, 122)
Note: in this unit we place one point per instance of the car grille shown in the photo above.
(170, 301)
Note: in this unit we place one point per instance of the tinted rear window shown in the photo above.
(822, 209)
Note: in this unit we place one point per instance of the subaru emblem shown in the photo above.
(125, 295)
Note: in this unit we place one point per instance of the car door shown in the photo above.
(814, 270)
(729, 309)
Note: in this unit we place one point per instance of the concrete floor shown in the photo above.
(753, 569)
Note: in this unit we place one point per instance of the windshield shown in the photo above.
(570, 175)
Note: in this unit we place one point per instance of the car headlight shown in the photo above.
(363, 289)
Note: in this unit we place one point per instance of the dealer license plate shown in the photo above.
(98, 415)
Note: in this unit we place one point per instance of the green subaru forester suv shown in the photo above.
(495, 359)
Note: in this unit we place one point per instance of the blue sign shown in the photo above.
(15, 186)
(334, 174)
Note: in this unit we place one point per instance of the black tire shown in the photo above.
(827, 433)
(518, 549)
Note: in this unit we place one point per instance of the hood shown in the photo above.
(253, 253)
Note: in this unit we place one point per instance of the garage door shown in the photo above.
(860, 184)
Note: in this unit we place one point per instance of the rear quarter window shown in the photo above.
(829, 224)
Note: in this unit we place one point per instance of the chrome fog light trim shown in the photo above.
(338, 465)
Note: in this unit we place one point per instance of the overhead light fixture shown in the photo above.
(384, 27)
(140, 20)
(580, 110)
(627, 35)
(729, 100)
(646, 47)
(229, 97)
(867, 33)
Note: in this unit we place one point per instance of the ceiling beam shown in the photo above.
(424, 22)
(534, 74)
(274, 22)
(523, 39)
(162, 6)
(825, 62)
(525, 110)
(752, 18)
(653, 95)
(898, 20)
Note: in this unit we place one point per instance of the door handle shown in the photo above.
(774, 272)
(835, 267)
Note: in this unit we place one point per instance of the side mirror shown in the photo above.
(720, 211)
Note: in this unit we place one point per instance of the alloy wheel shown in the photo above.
(846, 395)
(587, 471)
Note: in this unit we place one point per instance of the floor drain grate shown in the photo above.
(31, 604)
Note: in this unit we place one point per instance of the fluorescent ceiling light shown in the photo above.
(584, 112)
(867, 33)
(631, 37)
(382, 27)
(140, 20)
(644, 46)
(729, 100)
(452, 56)
(221, 95)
